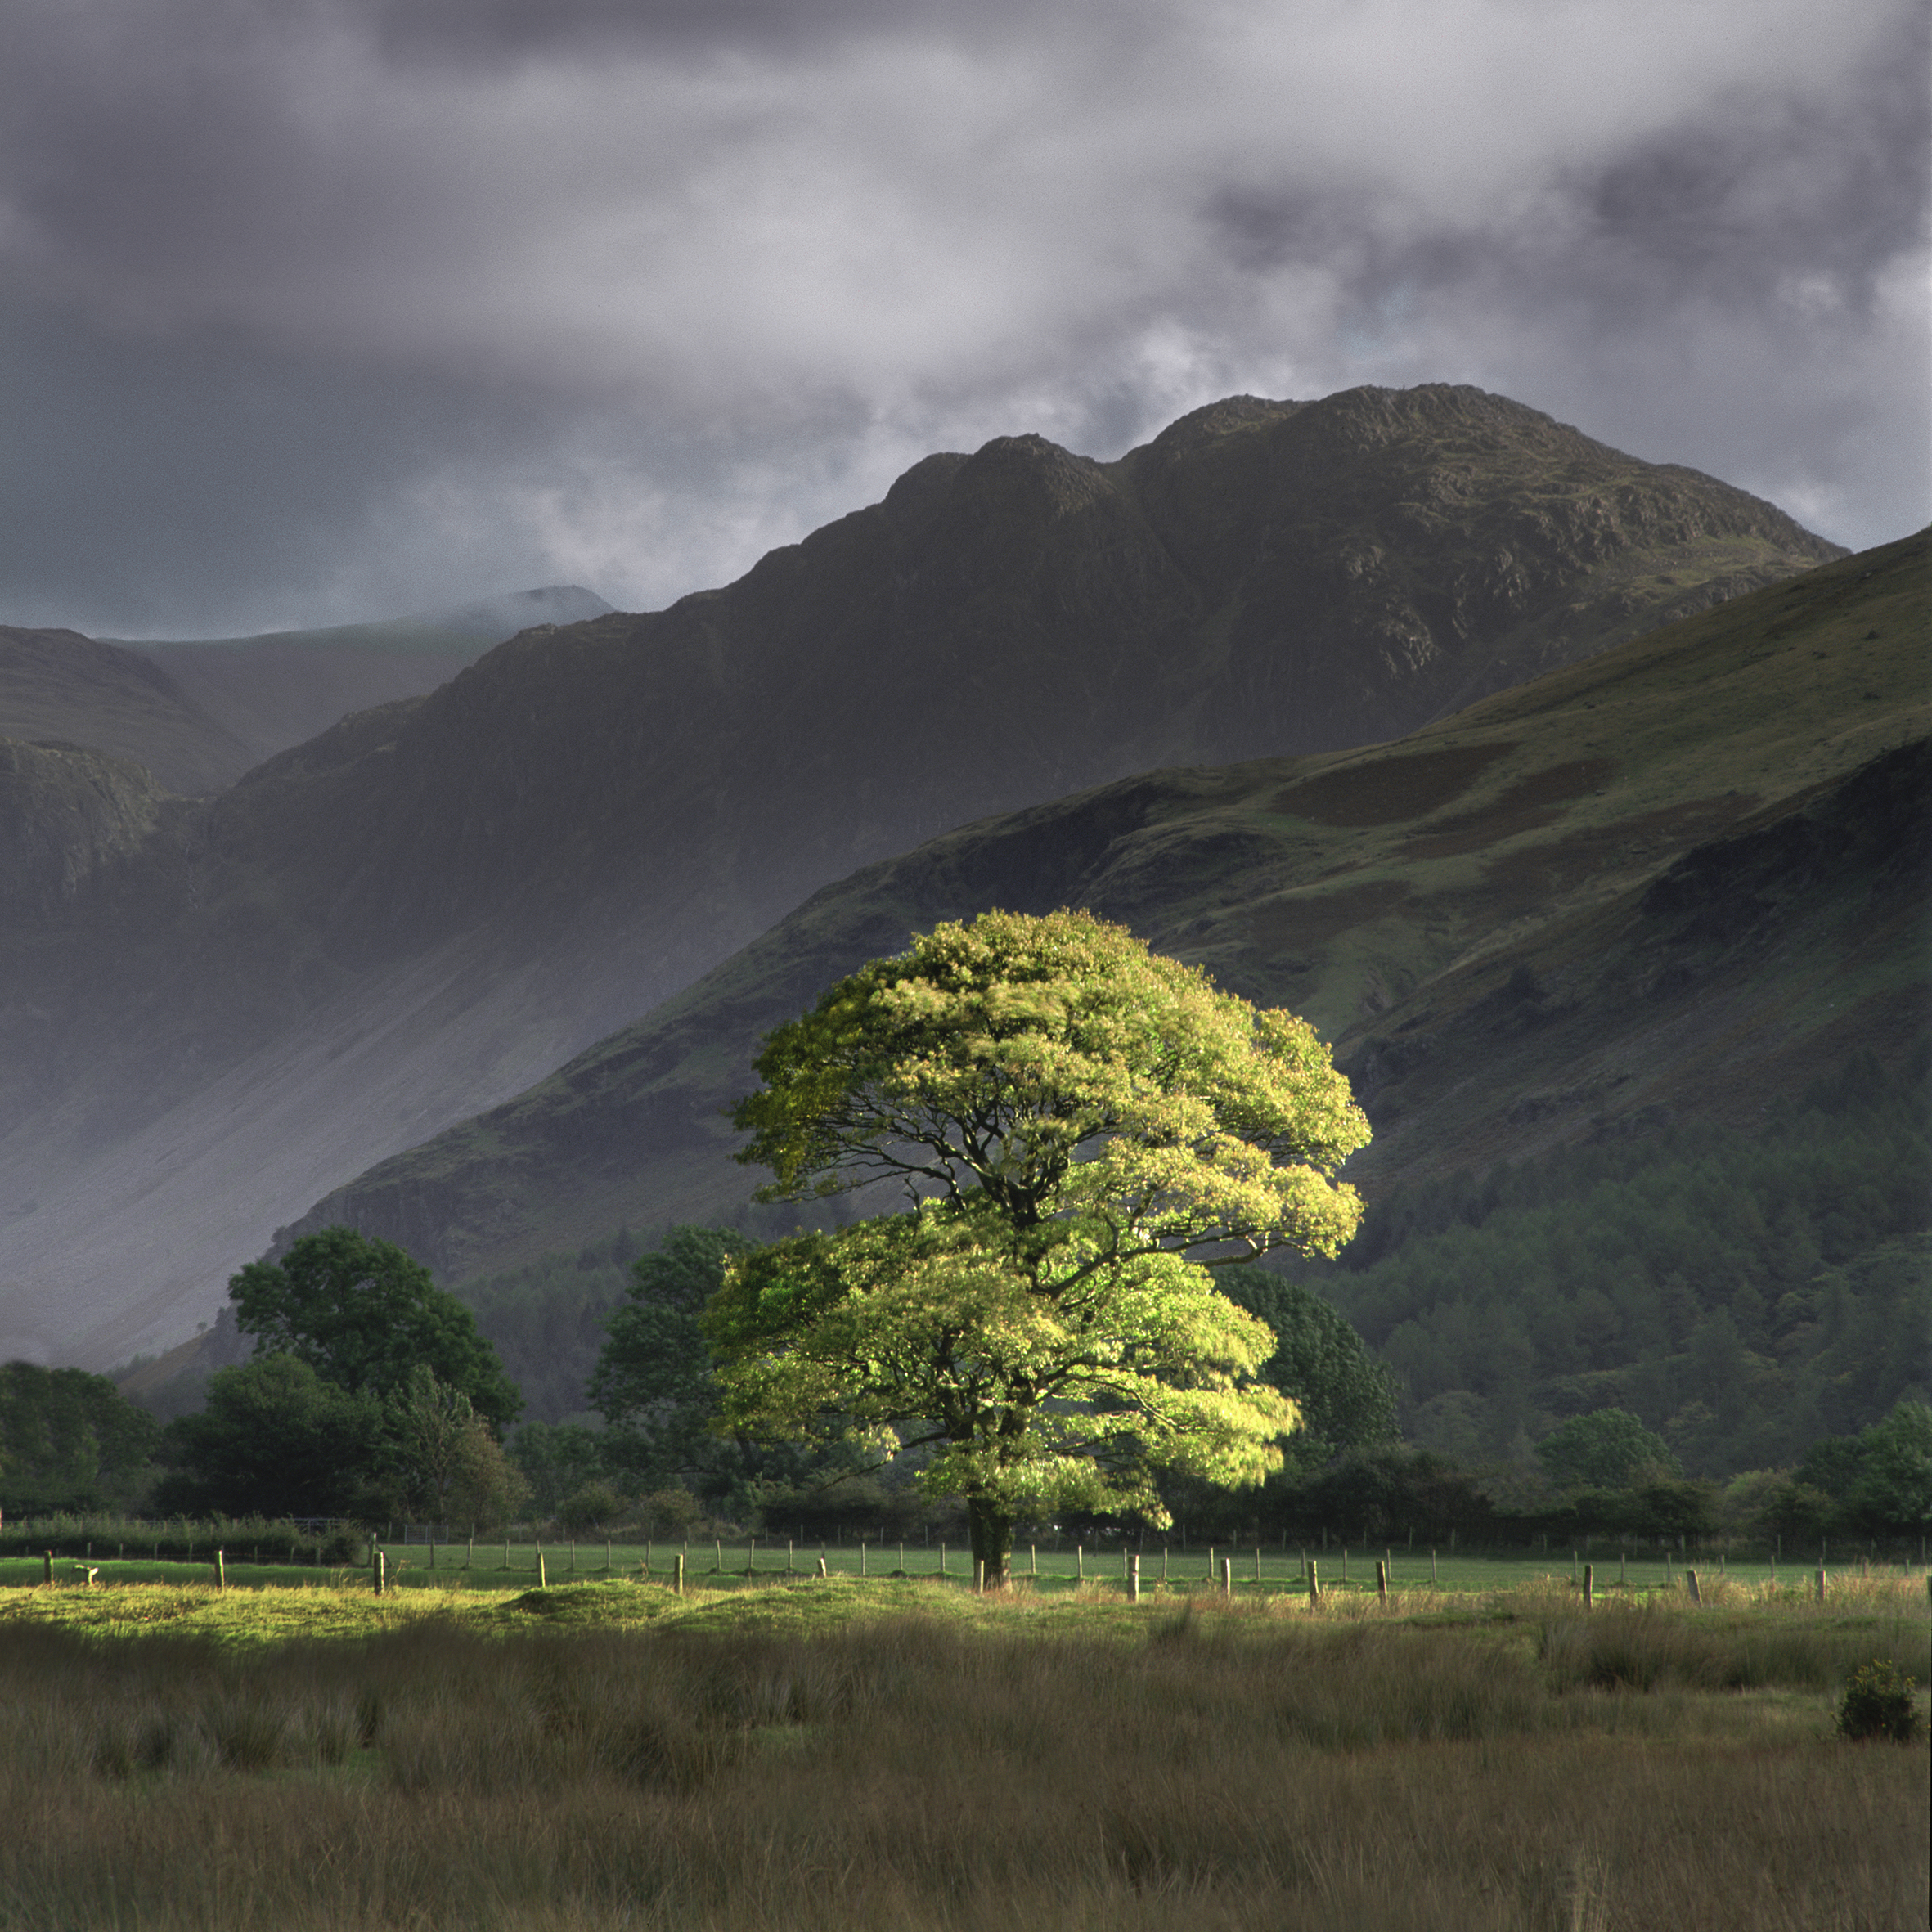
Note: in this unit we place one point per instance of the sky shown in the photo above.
(339, 309)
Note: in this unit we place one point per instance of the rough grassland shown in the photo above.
(899, 1754)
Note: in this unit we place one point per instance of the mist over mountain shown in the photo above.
(217, 1010)
(199, 714)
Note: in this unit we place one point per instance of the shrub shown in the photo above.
(1877, 1703)
(589, 1507)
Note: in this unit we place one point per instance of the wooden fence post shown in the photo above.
(1381, 1579)
(1820, 1586)
(543, 1575)
(979, 1575)
(1691, 1586)
(823, 1571)
(377, 1568)
(50, 1566)
(1314, 1582)
(1432, 1567)
(1134, 1579)
(677, 1574)
(1589, 1587)
(221, 1569)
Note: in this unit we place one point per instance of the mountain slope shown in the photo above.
(198, 714)
(271, 692)
(1684, 878)
(59, 687)
(424, 909)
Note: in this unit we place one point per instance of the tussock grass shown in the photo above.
(1191, 1764)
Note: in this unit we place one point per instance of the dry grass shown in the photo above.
(1213, 1767)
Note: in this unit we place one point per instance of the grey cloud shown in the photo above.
(364, 305)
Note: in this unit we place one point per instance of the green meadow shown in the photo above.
(1042, 1570)
(902, 1752)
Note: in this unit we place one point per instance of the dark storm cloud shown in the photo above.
(345, 307)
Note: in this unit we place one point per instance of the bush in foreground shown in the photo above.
(1877, 1703)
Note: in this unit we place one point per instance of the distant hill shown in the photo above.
(59, 688)
(274, 691)
(199, 714)
(420, 912)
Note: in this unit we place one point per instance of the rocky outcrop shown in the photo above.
(65, 815)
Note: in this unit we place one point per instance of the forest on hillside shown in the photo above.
(1745, 1295)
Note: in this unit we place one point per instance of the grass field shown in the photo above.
(710, 1564)
(903, 1752)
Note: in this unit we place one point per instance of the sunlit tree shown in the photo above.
(1076, 1126)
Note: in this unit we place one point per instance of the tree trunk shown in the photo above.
(992, 1527)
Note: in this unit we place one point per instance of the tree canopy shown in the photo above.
(653, 1381)
(1347, 1399)
(275, 1440)
(365, 1316)
(1609, 1448)
(68, 1439)
(1074, 1124)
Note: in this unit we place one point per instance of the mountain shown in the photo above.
(423, 910)
(198, 714)
(274, 691)
(59, 688)
(1682, 880)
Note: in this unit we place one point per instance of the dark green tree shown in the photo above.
(654, 1383)
(556, 1459)
(364, 1316)
(69, 1439)
(275, 1440)
(1892, 1494)
(1347, 1399)
(442, 1460)
(1610, 1449)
